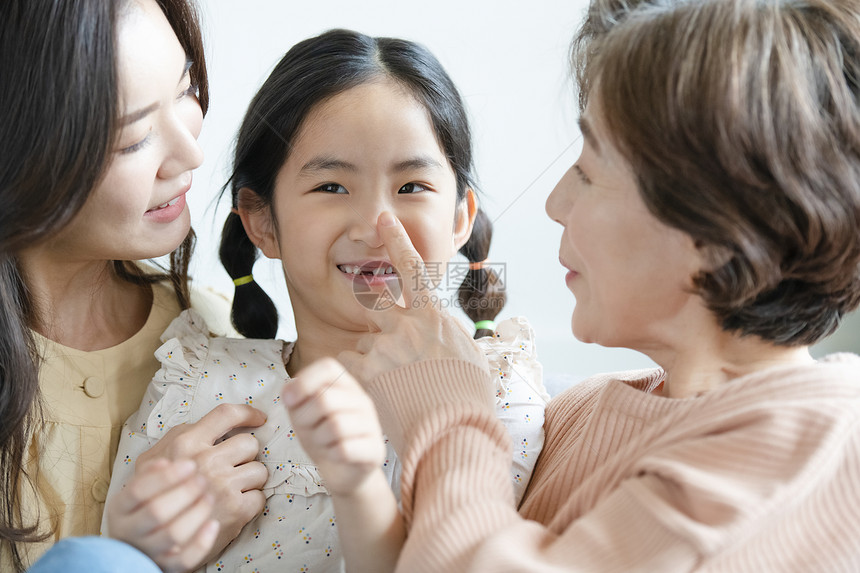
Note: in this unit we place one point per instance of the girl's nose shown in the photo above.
(363, 226)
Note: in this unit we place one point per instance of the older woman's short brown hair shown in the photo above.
(741, 121)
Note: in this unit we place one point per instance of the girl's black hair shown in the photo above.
(312, 71)
(59, 99)
(482, 293)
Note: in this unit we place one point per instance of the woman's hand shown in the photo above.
(421, 331)
(165, 511)
(337, 425)
(229, 466)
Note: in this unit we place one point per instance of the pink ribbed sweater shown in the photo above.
(760, 474)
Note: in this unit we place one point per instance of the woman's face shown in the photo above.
(366, 150)
(630, 273)
(138, 209)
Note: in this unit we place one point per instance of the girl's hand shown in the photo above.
(336, 424)
(165, 511)
(421, 331)
(229, 466)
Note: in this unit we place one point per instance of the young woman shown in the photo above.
(103, 102)
(712, 222)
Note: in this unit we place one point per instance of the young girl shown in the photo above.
(345, 127)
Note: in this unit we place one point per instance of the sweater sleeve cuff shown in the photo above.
(405, 397)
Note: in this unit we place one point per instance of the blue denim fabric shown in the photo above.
(93, 555)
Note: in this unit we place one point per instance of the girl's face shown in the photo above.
(138, 209)
(630, 273)
(361, 152)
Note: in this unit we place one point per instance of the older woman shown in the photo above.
(712, 222)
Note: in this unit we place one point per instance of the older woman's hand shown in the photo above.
(421, 331)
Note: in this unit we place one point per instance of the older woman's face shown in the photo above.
(630, 273)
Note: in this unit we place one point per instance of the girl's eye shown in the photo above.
(582, 176)
(332, 188)
(412, 188)
(137, 146)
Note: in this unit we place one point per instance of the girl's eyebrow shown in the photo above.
(333, 164)
(327, 164)
(134, 116)
(413, 163)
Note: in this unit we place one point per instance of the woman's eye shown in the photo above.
(190, 90)
(582, 176)
(332, 188)
(412, 188)
(137, 146)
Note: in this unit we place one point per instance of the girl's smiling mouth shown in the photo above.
(371, 272)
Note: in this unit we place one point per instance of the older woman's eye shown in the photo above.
(412, 188)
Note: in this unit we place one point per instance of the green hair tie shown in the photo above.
(243, 280)
(485, 325)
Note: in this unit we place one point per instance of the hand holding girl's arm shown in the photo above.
(165, 511)
(337, 425)
(229, 465)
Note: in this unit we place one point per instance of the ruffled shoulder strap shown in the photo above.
(520, 394)
(189, 323)
(512, 357)
(169, 396)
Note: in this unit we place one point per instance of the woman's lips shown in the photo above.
(571, 274)
(167, 212)
(165, 205)
(170, 210)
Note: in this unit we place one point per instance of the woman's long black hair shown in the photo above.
(58, 93)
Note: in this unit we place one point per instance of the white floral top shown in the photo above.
(297, 530)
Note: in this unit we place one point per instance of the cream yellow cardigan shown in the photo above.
(86, 397)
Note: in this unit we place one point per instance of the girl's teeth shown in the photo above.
(355, 270)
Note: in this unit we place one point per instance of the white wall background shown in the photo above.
(509, 59)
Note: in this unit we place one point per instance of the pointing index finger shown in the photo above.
(404, 257)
